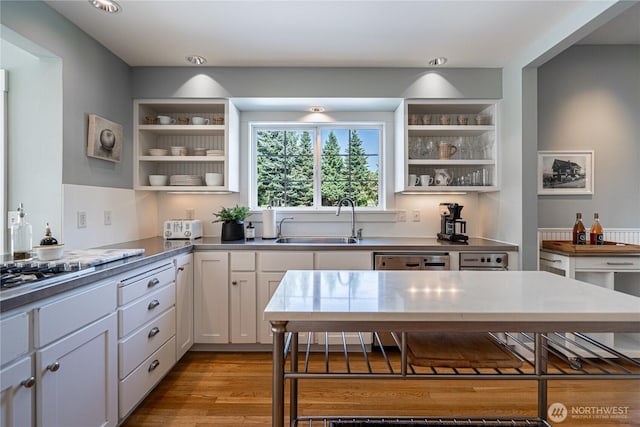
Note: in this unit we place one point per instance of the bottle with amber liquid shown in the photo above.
(596, 235)
(579, 232)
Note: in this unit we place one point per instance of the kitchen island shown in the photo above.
(522, 310)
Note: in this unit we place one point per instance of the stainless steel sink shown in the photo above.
(317, 240)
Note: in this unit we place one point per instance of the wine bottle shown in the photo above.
(596, 235)
(579, 232)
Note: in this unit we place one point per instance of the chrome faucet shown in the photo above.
(353, 214)
(280, 225)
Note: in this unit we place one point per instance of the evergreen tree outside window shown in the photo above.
(314, 167)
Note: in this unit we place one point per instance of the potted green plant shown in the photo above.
(232, 220)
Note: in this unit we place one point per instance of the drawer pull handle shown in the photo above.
(180, 268)
(235, 282)
(53, 367)
(29, 382)
(550, 260)
(619, 263)
(154, 365)
(153, 282)
(154, 331)
(153, 304)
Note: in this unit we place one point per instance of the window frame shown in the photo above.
(316, 128)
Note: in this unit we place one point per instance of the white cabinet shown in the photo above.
(75, 358)
(184, 304)
(272, 265)
(76, 378)
(242, 298)
(343, 260)
(605, 271)
(17, 379)
(146, 324)
(16, 394)
(211, 297)
(467, 133)
(219, 135)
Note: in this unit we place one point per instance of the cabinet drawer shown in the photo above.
(618, 263)
(136, 314)
(66, 315)
(14, 333)
(242, 261)
(135, 287)
(137, 347)
(283, 261)
(133, 388)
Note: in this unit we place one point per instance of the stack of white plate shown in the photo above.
(158, 152)
(185, 180)
(215, 152)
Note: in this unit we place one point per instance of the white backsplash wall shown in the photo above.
(174, 206)
(134, 215)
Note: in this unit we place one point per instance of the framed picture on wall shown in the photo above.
(565, 172)
(104, 139)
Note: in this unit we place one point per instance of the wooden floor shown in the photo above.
(234, 389)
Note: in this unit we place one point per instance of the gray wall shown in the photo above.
(94, 81)
(589, 99)
(478, 83)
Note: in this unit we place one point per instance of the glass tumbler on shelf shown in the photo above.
(413, 148)
(430, 149)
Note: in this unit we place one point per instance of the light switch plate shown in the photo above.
(415, 215)
(107, 217)
(401, 216)
(82, 219)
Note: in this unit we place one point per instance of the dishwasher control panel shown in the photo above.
(484, 260)
(411, 261)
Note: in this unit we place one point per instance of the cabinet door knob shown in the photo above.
(180, 268)
(235, 282)
(153, 304)
(28, 383)
(154, 365)
(154, 331)
(151, 283)
(53, 367)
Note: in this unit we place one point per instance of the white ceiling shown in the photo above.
(318, 33)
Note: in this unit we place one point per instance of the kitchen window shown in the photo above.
(314, 166)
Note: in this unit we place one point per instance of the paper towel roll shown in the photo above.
(269, 224)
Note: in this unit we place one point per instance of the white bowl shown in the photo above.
(158, 151)
(178, 151)
(158, 180)
(49, 252)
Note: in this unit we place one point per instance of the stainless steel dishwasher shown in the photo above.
(410, 261)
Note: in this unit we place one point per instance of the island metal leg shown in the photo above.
(293, 393)
(277, 398)
(541, 356)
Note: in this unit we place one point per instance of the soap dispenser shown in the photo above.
(21, 237)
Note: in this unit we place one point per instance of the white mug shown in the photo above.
(213, 179)
(166, 120)
(426, 180)
(199, 121)
(413, 180)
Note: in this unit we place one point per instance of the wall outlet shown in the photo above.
(401, 216)
(415, 215)
(191, 213)
(107, 217)
(82, 219)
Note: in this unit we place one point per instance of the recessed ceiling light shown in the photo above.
(109, 6)
(441, 60)
(197, 59)
(316, 109)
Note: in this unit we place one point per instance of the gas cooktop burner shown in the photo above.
(21, 273)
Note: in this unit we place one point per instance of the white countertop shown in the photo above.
(445, 296)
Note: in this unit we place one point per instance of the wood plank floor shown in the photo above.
(234, 389)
